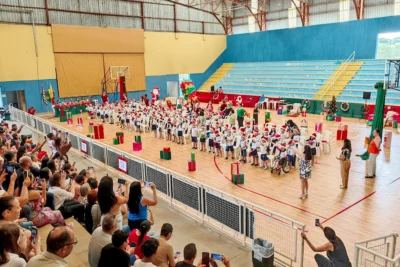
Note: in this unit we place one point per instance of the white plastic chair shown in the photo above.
(326, 141)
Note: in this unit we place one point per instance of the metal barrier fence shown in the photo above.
(377, 252)
(231, 216)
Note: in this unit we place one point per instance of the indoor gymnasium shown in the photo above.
(203, 133)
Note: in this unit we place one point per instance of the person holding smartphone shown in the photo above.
(335, 249)
(138, 204)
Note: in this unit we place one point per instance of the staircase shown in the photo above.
(338, 80)
(214, 79)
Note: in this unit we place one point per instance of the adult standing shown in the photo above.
(240, 112)
(335, 250)
(138, 204)
(104, 97)
(373, 150)
(261, 101)
(345, 163)
(255, 114)
(305, 169)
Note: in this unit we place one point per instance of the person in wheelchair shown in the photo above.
(281, 158)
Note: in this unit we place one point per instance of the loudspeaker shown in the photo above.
(367, 95)
(212, 88)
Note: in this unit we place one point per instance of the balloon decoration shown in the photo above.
(188, 90)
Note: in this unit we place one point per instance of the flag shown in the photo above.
(44, 99)
(51, 94)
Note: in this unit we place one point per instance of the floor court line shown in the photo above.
(265, 196)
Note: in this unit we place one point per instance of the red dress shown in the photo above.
(134, 238)
(104, 98)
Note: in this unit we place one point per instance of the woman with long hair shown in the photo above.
(14, 248)
(305, 158)
(109, 202)
(335, 250)
(345, 163)
(373, 150)
(138, 205)
(138, 236)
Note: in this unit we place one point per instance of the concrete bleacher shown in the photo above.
(294, 79)
(371, 72)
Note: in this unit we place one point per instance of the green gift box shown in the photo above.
(285, 112)
(161, 154)
(238, 178)
(329, 118)
(58, 113)
(395, 124)
(267, 115)
(179, 106)
(115, 141)
(167, 155)
(69, 114)
(192, 157)
(138, 139)
(63, 118)
(83, 108)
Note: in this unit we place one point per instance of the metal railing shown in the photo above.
(337, 74)
(379, 252)
(231, 216)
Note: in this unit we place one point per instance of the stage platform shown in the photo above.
(368, 208)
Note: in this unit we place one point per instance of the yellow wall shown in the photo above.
(17, 53)
(165, 53)
(181, 53)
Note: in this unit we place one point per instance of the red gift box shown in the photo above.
(98, 131)
(341, 134)
(338, 119)
(235, 168)
(191, 166)
(101, 128)
(69, 121)
(318, 127)
(166, 149)
(80, 121)
(120, 139)
(137, 146)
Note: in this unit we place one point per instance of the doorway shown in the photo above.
(15, 98)
(172, 89)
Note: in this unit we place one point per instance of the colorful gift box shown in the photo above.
(329, 118)
(137, 146)
(267, 115)
(165, 155)
(98, 131)
(338, 119)
(80, 121)
(161, 154)
(101, 128)
(69, 121)
(68, 114)
(395, 124)
(63, 118)
(193, 156)
(285, 112)
(115, 141)
(167, 149)
(120, 139)
(238, 178)
(138, 138)
(279, 111)
(341, 134)
(303, 113)
(343, 127)
(235, 168)
(191, 166)
(318, 127)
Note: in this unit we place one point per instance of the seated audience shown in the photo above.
(165, 253)
(116, 253)
(149, 250)
(138, 204)
(100, 238)
(63, 198)
(137, 236)
(79, 181)
(60, 243)
(189, 255)
(84, 191)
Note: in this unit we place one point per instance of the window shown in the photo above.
(388, 46)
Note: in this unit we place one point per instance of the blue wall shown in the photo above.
(33, 90)
(329, 41)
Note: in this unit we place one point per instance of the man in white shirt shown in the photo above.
(63, 198)
(149, 249)
(51, 137)
(100, 238)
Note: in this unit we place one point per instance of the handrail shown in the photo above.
(337, 74)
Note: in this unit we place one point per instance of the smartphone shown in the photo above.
(316, 222)
(177, 254)
(10, 169)
(148, 184)
(205, 259)
(133, 244)
(216, 257)
(34, 232)
(39, 181)
(121, 181)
